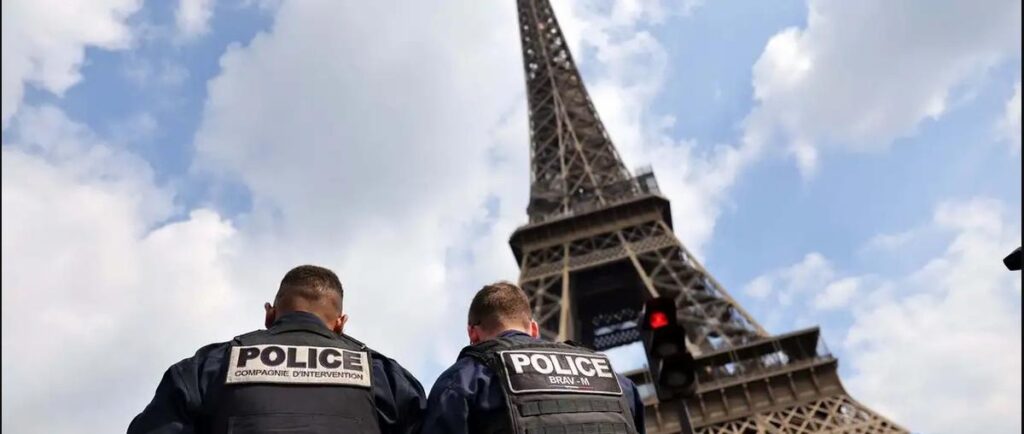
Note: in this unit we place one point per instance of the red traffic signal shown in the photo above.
(659, 313)
(664, 340)
(657, 320)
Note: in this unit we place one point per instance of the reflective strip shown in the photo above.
(553, 406)
(582, 428)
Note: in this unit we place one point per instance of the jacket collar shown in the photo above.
(292, 321)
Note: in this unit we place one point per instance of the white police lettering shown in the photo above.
(603, 370)
(531, 371)
(541, 363)
(519, 361)
(297, 364)
(585, 371)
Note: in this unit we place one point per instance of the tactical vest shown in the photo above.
(553, 388)
(296, 378)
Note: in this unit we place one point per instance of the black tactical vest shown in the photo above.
(553, 388)
(296, 378)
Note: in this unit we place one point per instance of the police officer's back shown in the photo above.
(301, 374)
(508, 381)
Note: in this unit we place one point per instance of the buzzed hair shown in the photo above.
(309, 284)
(500, 304)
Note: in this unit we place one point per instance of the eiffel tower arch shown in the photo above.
(599, 242)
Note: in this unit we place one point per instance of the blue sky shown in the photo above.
(859, 170)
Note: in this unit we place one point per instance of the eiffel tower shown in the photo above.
(599, 242)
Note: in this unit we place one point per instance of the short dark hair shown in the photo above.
(500, 304)
(309, 283)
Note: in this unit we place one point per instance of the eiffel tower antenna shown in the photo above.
(600, 241)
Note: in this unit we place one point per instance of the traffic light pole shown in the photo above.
(670, 362)
(685, 427)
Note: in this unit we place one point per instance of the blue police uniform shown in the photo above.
(467, 394)
(182, 401)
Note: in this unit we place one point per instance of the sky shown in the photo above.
(852, 165)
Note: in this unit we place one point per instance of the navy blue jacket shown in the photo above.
(179, 398)
(467, 392)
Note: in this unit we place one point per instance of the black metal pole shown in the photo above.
(685, 427)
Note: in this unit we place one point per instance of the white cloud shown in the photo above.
(759, 288)
(957, 324)
(44, 42)
(889, 242)
(837, 294)
(789, 284)
(937, 349)
(1009, 124)
(193, 17)
(834, 84)
(87, 278)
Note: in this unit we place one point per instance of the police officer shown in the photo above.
(301, 374)
(509, 381)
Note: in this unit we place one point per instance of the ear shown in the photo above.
(339, 323)
(534, 329)
(270, 315)
(474, 334)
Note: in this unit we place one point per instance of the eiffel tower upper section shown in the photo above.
(574, 165)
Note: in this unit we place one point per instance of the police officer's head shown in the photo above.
(499, 307)
(312, 289)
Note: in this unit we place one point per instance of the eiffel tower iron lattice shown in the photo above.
(599, 242)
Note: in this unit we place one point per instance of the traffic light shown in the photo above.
(664, 340)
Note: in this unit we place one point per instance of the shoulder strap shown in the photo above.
(248, 337)
(576, 345)
(356, 342)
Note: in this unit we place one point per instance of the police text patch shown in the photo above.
(532, 371)
(296, 364)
